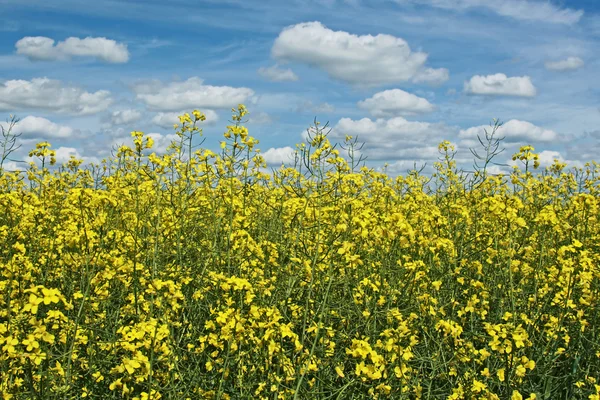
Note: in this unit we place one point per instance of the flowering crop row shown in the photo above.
(198, 275)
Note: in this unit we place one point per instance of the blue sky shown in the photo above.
(402, 75)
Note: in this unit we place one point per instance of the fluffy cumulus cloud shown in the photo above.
(567, 64)
(432, 76)
(63, 155)
(364, 60)
(260, 118)
(513, 131)
(192, 93)
(278, 156)
(41, 48)
(395, 102)
(13, 166)
(528, 10)
(168, 119)
(494, 169)
(125, 117)
(395, 138)
(500, 85)
(277, 74)
(547, 157)
(51, 95)
(161, 142)
(42, 128)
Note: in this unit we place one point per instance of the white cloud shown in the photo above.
(278, 156)
(63, 155)
(395, 102)
(51, 95)
(528, 10)
(565, 65)
(161, 142)
(260, 118)
(364, 60)
(494, 169)
(37, 127)
(277, 74)
(514, 131)
(13, 166)
(395, 138)
(500, 84)
(125, 117)
(469, 142)
(192, 93)
(43, 49)
(432, 76)
(168, 119)
(546, 159)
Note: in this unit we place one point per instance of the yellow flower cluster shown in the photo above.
(192, 274)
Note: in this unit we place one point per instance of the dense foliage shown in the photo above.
(197, 275)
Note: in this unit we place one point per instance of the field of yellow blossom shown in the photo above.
(196, 275)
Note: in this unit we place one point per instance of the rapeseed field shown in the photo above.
(197, 275)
